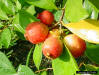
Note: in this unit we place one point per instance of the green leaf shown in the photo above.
(43, 73)
(29, 55)
(92, 68)
(6, 67)
(88, 6)
(46, 4)
(7, 6)
(63, 3)
(3, 15)
(20, 35)
(53, 0)
(18, 5)
(65, 64)
(22, 19)
(92, 52)
(1, 25)
(74, 10)
(31, 10)
(57, 15)
(95, 4)
(0, 44)
(16, 24)
(91, 10)
(22, 2)
(97, 71)
(94, 15)
(24, 70)
(37, 55)
(5, 38)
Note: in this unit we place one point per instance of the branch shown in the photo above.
(61, 18)
(81, 64)
(44, 70)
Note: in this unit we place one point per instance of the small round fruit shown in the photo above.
(52, 47)
(36, 32)
(46, 17)
(75, 44)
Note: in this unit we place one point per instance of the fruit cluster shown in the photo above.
(37, 32)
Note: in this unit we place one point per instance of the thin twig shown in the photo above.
(81, 64)
(63, 11)
(44, 70)
(61, 18)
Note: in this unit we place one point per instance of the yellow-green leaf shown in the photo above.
(87, 29)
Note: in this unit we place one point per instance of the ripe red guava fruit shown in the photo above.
(52, 47)
(46, 17)
(36, 32)
(75, 44)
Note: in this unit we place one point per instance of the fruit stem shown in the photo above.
(63, 24)
(61, 18)
(29, 54)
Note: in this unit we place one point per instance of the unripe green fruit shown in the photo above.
(46, 17)
(36, 32)
(52, 47)
(75, 44)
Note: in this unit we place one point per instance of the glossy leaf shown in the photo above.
(17, 25)
(53, 0)
(65, 64)
(37, 55)
(95, 4)
(46, 4)
(5, 38)
(92, 68)
(22, 19)
(57, 15)
(3, 15)
(0, 44)
(88, 6)
(91, 10)
(43, 73)
(7, 6)
(63, 3)
(97, 71)
(29, 55)
(87, 29)
(94, 15)
(22, 2)
(92, 52)
(31, 10)
(6, 67)
(18, 5)
(1, 25)
(24, 70)
(74, 10)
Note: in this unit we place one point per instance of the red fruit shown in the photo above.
(46, 17)
(75, 44)
(36, 32)
(52, 47)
